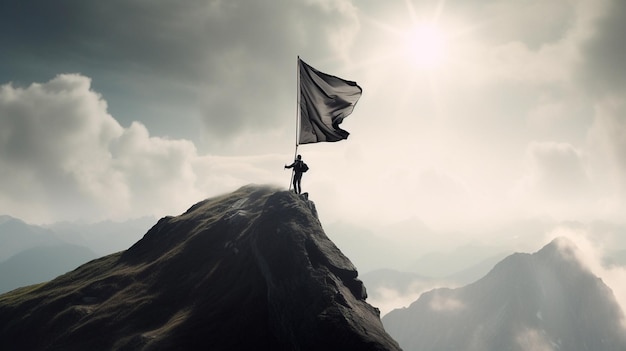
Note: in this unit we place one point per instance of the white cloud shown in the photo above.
(62, 156)
(388, 299)
(607, 140)
(556, 180)
(556, 167)
(534, 340)
(445, 304)
(591, 251)
(53, 135)
(514, 61)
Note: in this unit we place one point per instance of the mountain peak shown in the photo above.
(546, 301)
(560, 246)
(248, 270)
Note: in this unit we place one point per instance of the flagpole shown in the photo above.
(297, 105)
(297, 116)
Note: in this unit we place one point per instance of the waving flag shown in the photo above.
(325, 101)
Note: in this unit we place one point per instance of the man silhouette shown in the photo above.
(299, 167)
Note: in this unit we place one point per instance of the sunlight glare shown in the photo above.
(426, 46)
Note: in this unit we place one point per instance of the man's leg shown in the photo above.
(296, 183)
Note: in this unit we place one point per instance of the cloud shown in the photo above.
(607, 140)
(47, 131)
(514, 61)
(256, 65)
(556, 180)
(441, 303)
(387, 299)
(557, 168)
(62, 156)
(443, 146)
(592, 246)
(604, 52)
(534, 340)
(500, 21)
(435, 193)
(228, 63)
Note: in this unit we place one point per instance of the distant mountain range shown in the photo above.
(41, 263)
(32, 254)
(250, 270)
(541, 301)
(16, 236)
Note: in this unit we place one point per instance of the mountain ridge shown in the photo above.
(546, 300)
(248, 270)
(16, 235)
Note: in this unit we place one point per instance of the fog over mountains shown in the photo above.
(542, 301)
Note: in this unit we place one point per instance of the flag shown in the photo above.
(325, 101)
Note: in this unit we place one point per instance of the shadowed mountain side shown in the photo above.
(541, 301)
(248, 270)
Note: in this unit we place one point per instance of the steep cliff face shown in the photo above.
(248, 270)
(541, 301)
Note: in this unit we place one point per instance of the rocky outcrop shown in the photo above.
(248, 270)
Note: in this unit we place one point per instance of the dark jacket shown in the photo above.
(297, 165)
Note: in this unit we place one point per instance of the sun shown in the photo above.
(425, 46)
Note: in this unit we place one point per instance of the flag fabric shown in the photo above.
(325, 101)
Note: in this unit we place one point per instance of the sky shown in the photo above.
(492, 120)
(474, 114)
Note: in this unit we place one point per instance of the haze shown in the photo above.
(490, 122)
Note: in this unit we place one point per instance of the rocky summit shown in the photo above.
(250, 270)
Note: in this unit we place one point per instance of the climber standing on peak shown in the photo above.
(299, 167)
